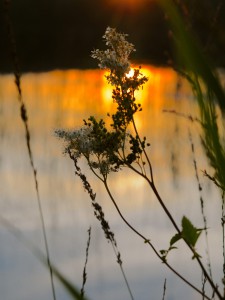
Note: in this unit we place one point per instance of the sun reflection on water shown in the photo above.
(62, 99)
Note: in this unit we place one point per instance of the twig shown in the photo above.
(155, 191)
(179, 114)
(213, 179)
(147, 241)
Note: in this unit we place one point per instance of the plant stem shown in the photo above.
(147, 241)
(122, 270)
(24, 118)
(214, 287)
(155, 191)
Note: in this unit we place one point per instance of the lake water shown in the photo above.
(62, 99)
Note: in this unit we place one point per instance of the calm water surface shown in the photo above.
(62, 99)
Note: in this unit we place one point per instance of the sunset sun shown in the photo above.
(129, 4)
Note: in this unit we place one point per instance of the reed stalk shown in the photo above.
(24, 118)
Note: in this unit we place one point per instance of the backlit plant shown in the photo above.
(110, 148)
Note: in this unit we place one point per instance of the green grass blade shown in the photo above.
(70, 288)
(190, 54)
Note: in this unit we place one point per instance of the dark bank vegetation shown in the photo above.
(57, 34)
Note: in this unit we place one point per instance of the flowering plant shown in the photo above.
(108, 150)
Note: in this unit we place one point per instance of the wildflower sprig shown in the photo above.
(96, 144)
(115, 58)
(107, 150)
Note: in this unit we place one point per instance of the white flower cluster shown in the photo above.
(78, 141)
(116, 58)
(103, 148)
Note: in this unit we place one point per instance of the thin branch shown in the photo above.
(146, 156)
(154, 189)
(213, 179)
(214, 287)
(179, 114)
(147, 241)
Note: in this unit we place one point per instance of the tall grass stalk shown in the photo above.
(208, 93)
(99, 214)
(71, 289)
(189, 55)
(223, 237)
(164, 290)
(24, 117)
(201, 204)
(85, 264)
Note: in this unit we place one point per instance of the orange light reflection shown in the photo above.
(62, 99)
(79, 92)
(161, 81)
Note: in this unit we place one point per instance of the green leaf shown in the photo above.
(175, 238)
(189, 232)
(70, 287)
(163, 252)
(172, 248)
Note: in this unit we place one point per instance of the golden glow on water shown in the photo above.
(62, 99)
(66, 97)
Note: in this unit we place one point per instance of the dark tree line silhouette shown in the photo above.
(60, 34)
